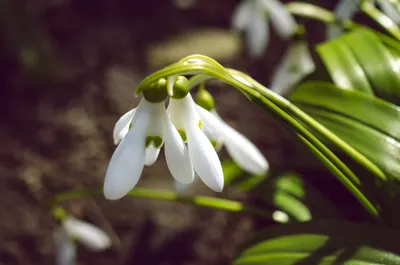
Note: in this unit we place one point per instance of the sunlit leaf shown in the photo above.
(368, 124)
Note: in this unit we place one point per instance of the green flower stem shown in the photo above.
(282, 109)
(337, 167)
(383, 20)
(204, 201)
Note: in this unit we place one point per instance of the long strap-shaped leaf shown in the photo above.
(323, 242)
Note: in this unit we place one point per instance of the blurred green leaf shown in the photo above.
(323, 242)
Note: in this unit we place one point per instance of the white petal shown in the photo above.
(205, 160)
(212, 126)
(244, 153)
(296, 64)
(65, 248)
(257, 35)
(175, 113)
(185, 189)
(151, 155)
(390, 10)
(89, 235)
(122, 126)
(126, 164)
(283, 22)
(242, 15)
(176, 153)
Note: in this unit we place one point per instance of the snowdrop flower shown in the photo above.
(140, 146)
(252, 16)
(152, 126)
(296, 64)
(344, 10)
(73, 229)
(390, 10)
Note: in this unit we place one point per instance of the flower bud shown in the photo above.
(205, 99)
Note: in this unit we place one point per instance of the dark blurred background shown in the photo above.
(68, 71)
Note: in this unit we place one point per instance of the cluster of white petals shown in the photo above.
(252, 16)
(184, 155)
(186, 131)
(85, 233)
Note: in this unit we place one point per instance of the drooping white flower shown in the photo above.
(390, 10)
(344, 10)
(72, 230)
(186, 118)
(296, 64)
(243, 152)
(140, 146)
(252, 17)
(65, 248)
(89, 235)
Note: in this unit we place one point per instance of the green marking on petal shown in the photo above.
(157, 141)
(149, 139)
(200, 125)
(182, 133)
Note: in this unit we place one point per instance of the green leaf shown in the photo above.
(344, 68)
(323, 242)
(360, 60)
(368, 124)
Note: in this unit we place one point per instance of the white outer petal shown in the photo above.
(89, 235)
(390, 10)
(205, 160)
(170, 84)
(151, 155)
(121, 128)
(257, 35)
(283, 22)
(298, 57)
(176, 153)
(242, 15)
(244, 153)
(65, 248)
(127, 162)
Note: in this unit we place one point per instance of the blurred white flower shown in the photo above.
(73, 229)
(390, 10)
(344, 10)
(252, 17)
(140, 146)
(296, 64)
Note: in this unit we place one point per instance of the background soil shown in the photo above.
(68, 70)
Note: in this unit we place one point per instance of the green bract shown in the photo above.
(157, 91)
(181, 87)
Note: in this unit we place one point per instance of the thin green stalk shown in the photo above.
(204, 201)
(383, 20)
